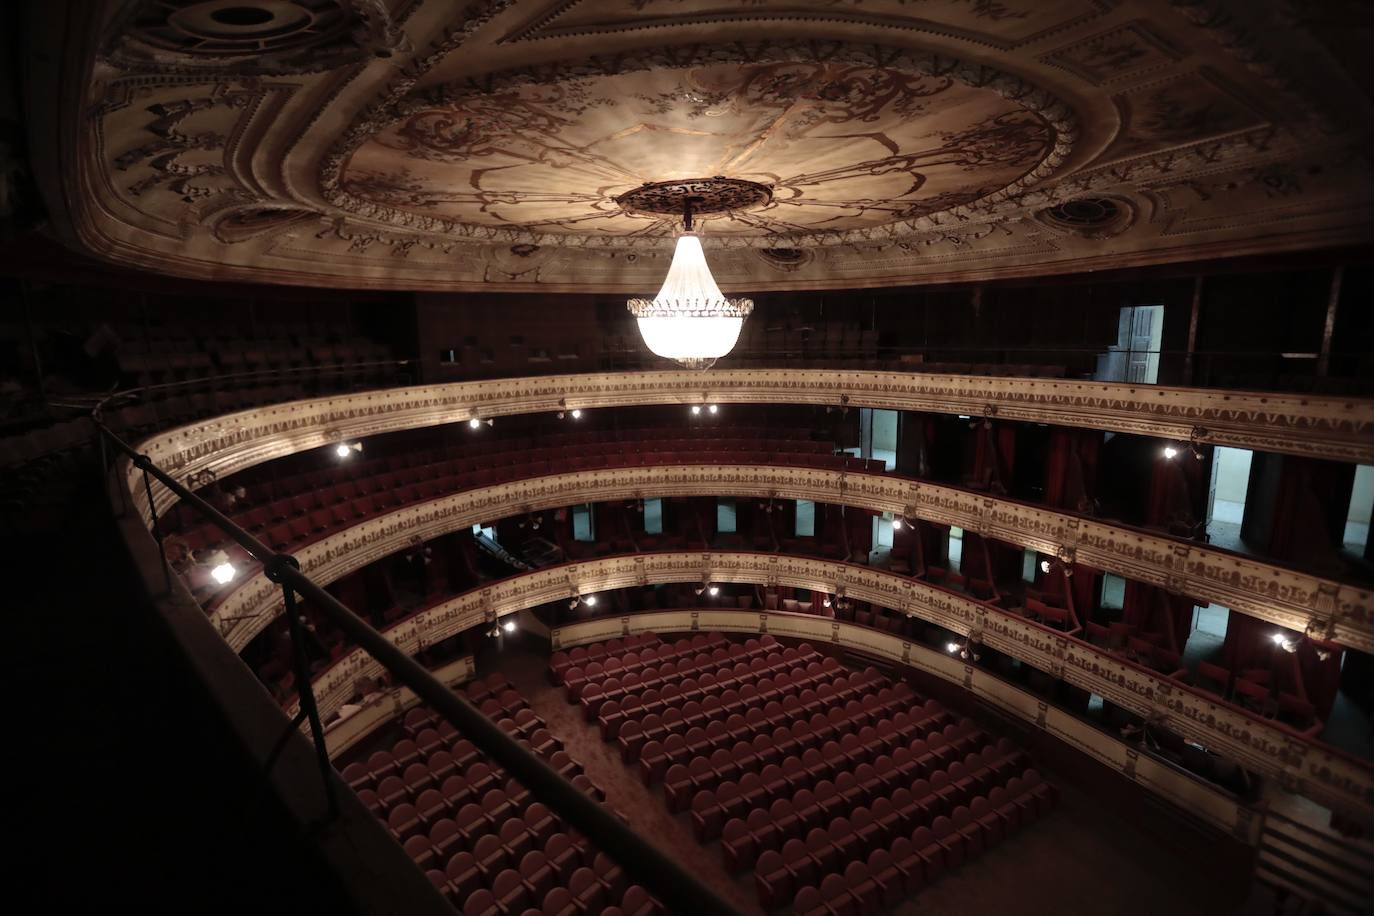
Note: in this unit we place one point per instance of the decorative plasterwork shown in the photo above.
(858, 143)
(1281, 596)
(1340, 429)
(339, 682)
(1263, 745)
(1162, 92)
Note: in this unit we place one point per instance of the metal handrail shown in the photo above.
(663, 876)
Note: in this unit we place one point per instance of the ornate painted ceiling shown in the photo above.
(507, 144)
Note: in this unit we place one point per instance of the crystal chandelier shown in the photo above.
(690, 320)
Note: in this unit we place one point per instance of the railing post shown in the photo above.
(143, 462)
(304, 688)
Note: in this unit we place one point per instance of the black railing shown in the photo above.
(664, 877)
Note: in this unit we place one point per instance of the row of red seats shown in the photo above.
(713, 726)
(785, 759)
(884, 787)
(853, 752)
(428, 464)
(737, 666)
(897, 805)
(905, 864)
(293, 520)
(479, 835)
(796, 772)
(574, 677)
(560, 661)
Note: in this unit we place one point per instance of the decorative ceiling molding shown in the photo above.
(791, 89)
(1302, 765)
(1156, 93)
(1334, 428)
(1285, 597)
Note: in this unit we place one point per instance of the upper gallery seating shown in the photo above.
(481, 837)
(842, 791)
(293, 510)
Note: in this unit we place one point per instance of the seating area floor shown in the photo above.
(1079, 858)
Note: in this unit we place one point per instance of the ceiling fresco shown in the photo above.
(519, 144)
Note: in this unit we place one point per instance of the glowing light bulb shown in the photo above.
(713, 408)
(896, 524)
(474, 423)
(576, 414)
(508, 626)
(590, 600)
(1277, 638)
(1170, 452)
(1044, 566)
(343, 451)
(223, 573)
(696, 409)
(952, 647)
(713, 591)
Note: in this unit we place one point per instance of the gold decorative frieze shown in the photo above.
(1337, 428)
(1281, 596)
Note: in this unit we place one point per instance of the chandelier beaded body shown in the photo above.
(690, 320)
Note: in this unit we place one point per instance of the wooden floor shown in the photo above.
(1080, 860)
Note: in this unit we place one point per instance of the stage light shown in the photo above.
(713, 591)
(223, 573)
(696, 409)
(952, 648)
(343, 451)
(591, 600)
(713, 408)
(896, 524)
(1277, 638)
(1170, 452)
(474, 423)
(576, 414)
(508, 626)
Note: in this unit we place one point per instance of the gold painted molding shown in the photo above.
(1281, 596)
(1305, 766)
(1186, 791)
(333, 688)
(1337, 428)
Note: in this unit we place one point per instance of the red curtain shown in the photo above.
(1177, 494)
(1153, 611)
(994, 456)
(1083, 591)
(1071, 471)
(1309, 509)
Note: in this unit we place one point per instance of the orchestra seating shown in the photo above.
(841, 791)
(481, 837)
